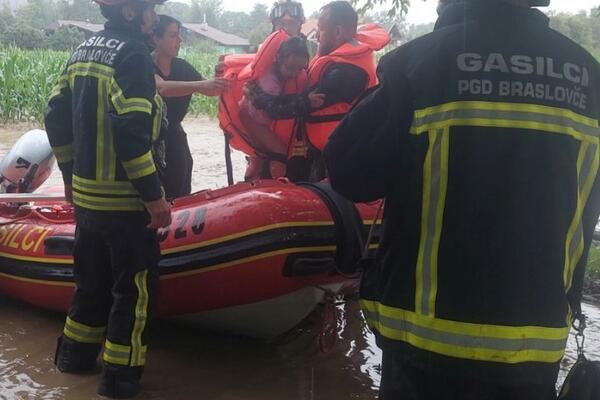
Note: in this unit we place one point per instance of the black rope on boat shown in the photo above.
(350, 238)
(228, 163)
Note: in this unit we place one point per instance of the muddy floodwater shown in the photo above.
(191, 363)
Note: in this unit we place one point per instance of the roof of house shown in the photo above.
(226, 39)
(393, 29)
(81, 25)
(309, 26)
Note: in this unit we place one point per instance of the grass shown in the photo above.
(26, 80)
(205, 64)
(28, 76)
(593, 266)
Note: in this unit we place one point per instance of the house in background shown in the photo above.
(226, 43)
(309, 29)
(87, 28)
(394, 30)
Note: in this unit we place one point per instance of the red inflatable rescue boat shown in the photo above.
(252, 259)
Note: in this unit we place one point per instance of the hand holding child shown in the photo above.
(213, 87)
(315, 99)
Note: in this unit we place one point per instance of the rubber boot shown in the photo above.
(74, 357)
(120, 382)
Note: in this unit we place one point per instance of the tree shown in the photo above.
(243, 24)
(236, 22)
(24, 36)
(260, 33)
(581, 28)
(177, 10)
(6, 20)
(38, 13)
(79, 10)
(259, 14)
(393, 6)
(65, 39)
(415, 31)
(209, 9)
(383, 18)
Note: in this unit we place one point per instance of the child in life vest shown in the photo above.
(292, 59)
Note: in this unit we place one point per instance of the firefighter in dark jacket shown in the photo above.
(102, 119)
(483, 138)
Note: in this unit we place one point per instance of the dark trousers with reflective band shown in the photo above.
(401, 381)
(179, 164)
(116, 276)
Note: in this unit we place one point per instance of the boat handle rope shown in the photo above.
(34, 212)
(328, 333)
(365, 250)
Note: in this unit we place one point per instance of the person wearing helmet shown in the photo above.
(342, 71)
(289, 16)
(483, 138)
(101, 120)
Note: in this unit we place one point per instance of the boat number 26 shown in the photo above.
(184, 222)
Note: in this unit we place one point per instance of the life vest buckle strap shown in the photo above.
(316, 119)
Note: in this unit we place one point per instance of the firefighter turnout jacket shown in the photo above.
(483, 138)
(102, 118)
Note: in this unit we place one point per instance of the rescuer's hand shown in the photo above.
(160, 213)
(213, 87)
(251, 89)
(69, 194)
(316, 99)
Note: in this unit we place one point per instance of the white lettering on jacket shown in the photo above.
(523, 65)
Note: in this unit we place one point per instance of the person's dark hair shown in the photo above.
(163, 23)
(342, 13)
(294, 46)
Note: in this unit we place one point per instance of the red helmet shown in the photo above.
(120, 2)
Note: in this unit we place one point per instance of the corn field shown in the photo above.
(26, 80)
(28, 76)
(205, 64)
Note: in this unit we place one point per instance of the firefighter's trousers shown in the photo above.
(116, 277)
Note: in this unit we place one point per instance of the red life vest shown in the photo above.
(369, 38)
(243, 68)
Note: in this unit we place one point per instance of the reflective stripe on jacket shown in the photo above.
(102, 118)
(483, 137)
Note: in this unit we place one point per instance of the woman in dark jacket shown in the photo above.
(176, 81)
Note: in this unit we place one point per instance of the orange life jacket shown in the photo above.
(369, 38)
(242, 68)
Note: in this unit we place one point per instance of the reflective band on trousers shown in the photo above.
(494, 343)
(121, 355)
(83, 333)
(506, 115)
(141, 316)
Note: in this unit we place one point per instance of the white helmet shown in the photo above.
(28, 164)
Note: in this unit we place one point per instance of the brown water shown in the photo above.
(189, 363)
